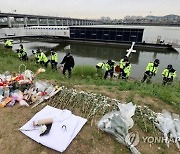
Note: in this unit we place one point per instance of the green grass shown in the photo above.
(86, 75)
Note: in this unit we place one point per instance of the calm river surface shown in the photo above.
(91, 54)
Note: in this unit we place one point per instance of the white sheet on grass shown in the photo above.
(58, 138)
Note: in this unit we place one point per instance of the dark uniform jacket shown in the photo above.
(68, 61)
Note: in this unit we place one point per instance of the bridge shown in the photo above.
(24, 20)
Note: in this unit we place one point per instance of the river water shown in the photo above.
(91, 54)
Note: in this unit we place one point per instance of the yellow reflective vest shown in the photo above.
(23, 51)
(107, 67)
(101, 65)
(127, 70)
(8, 43)
(42, 57)
(54, 57)
(110, 66)
(37, 55)
(150, 67)
(168, 74)
(19, 55)
(122, 63)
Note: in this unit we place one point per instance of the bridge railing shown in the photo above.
(57, 31)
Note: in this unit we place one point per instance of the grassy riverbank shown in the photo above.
(86, 75)
(90, 139)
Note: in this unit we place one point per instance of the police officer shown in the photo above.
(23, 52)
(37, 55)
(125, 68)
(168, 74)
(123, 61)
(54, 59)
(151, 69)
(125, 72)
(43, 60)
(100, 67)
(109, 67)
(68, 62)
(8, 44)
(19, 54)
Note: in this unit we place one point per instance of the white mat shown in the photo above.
(58, 138)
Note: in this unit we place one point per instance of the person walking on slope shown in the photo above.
(168, 74)
(151, 70)
(43, 60)
(125, 68)
(109, 67)
(68, 62)
(54, 59)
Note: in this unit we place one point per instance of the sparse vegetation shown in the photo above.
(86, 75)
(85, 78)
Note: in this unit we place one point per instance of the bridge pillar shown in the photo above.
(25, 21)
(47, 22)
(76, 22)
(72, 22)
(61, 22)
(38, 21)
(58, 22)
(55, 22)
(9, 22)
(67, 22)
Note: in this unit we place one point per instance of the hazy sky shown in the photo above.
(92, 8)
